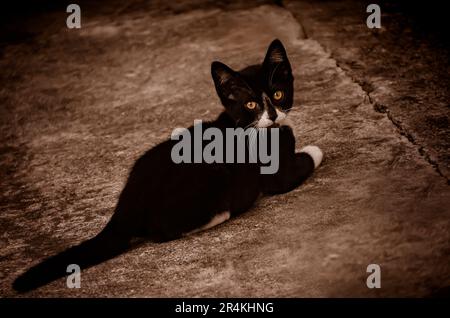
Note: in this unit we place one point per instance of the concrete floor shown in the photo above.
(79, 106)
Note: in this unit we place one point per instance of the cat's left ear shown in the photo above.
(276, 61)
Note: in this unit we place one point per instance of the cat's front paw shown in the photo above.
(315, 153)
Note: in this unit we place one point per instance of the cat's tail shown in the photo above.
(106, 245)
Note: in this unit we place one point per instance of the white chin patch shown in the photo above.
(264, 121)
(315, 153)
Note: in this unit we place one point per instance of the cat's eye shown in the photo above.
(278, 95)
(250, 105)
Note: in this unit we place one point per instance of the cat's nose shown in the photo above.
(272, 113)
(266, 101)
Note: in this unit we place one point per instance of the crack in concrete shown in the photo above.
(367, 88)
(383, 109)
(380, 108)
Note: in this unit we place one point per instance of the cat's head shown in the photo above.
(259, 95)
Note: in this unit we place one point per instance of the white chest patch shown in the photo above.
(216, 220)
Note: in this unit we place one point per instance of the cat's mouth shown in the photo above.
(275, 124)
(266, 122)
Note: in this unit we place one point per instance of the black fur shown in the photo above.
(162, 200)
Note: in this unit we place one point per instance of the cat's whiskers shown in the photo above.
(291, 110)
(253, 123)
(252, 142)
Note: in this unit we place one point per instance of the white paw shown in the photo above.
(315, 153)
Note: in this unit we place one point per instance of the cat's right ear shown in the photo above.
(223, 77)
(221, 73)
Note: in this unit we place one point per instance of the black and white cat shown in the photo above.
(163, 200)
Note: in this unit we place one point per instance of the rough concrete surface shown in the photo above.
(403, 66)
(79, 106)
